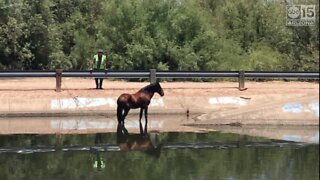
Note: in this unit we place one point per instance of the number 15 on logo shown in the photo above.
(301, 15)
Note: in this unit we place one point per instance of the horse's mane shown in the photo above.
(149, 87)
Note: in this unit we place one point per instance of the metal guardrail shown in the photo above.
(161, 74)
(153, 75)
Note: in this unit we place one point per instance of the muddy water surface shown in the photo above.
(97, 148)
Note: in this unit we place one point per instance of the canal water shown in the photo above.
(155, 155)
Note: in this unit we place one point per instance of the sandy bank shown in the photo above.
(272, 102)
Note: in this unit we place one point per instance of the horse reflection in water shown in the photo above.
(146, 142)
(140, 99)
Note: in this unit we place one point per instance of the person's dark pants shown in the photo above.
(98, 83)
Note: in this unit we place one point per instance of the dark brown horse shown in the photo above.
(140, 99)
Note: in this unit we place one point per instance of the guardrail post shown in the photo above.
(153, 78)
(241, 81)
(58, 79)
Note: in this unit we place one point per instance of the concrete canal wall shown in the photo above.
(208, 103)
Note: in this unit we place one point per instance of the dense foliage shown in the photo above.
(165, 34)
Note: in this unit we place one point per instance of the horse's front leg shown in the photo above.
(141, 111)
(146, 119)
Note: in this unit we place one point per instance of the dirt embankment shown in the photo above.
(272, 102)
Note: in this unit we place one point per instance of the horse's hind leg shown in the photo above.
(125, 113)
(121, 114)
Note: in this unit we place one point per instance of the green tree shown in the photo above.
(167, 35)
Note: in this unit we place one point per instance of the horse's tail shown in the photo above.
(122, 109)
(119, 113)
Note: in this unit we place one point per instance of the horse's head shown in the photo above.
(159, 89)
